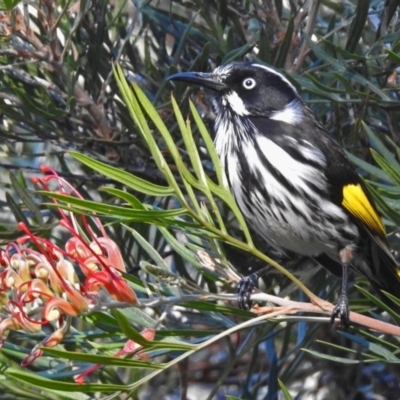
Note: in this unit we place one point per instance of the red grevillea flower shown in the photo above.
(39, 282)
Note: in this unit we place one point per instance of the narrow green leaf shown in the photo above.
(134, 335)
(348, 85)
(129, 331)
(370, 169)
(237, 53)
(358, 24)
(201, 59)
(264, 45)
(395, 300)
(108, 209)
(133, 201)
(137, 103)
(379, 303)
(22, 392)
(325, 88)
(101, 359)
(123, 177)
(180, 248)
(224, 310)
(392, 37)
(285, 391)
(16, 210)
(393, 174)
(26, 198)
(8, 5)
(38, 381)
(332, 358)
(383, 340)
(209, 145)
(386, 210)
(347, 55)
(149, 109)
(371, 346)
(137, 316)
(394, 56)
(190, 192)
(188, 179)
(148, 248)
(380, 147)
(344, 69)
(196, 163)
(394, 147)
(387, 191)
(21, 180)
(309, 87)
(285, 45)
(190, 144)
(319, 51)
(133, 217)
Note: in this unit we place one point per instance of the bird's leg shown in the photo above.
(246, 286)
(342, 307)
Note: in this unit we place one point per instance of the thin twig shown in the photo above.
(295, 65)
(283, 309)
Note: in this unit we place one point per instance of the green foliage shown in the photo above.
(162, 195)
(205, 223)
(6, 5)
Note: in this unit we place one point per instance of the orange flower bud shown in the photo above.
(57, 306)
(6, 325)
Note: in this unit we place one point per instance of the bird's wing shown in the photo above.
(358, 203)
(348, 189)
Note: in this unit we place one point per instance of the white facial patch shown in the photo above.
(292, 114)
(236, 103)
(222, 71)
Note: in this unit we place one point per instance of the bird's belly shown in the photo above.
(297, 215)
(306, 231)
(294, 234)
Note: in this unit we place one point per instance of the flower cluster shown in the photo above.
(39, 282)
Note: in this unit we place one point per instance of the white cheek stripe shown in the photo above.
(236, 103)
(291, 114)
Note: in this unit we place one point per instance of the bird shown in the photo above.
(291, 179)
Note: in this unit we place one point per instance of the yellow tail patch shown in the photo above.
(357, 203)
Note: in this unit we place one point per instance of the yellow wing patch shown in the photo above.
(357, 203)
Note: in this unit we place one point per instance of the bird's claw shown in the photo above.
(341, 310)
(245, 287)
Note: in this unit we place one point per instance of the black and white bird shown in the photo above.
(292, 180)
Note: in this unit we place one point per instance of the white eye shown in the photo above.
(249, 83)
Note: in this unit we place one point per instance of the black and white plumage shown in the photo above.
(291, 180)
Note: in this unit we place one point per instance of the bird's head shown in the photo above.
(249, 89)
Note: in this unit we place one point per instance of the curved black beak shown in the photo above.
(205, 80)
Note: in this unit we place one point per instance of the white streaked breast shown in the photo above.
(297, 172)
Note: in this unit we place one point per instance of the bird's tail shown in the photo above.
(380, 269)
(384, 274)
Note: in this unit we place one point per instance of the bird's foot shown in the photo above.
(245, 287)
(342, 310)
